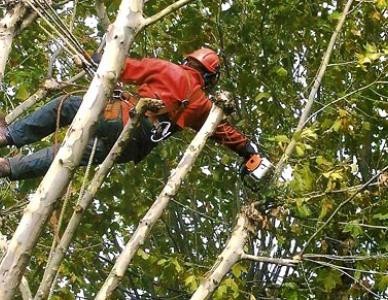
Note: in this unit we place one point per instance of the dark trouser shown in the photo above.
(42, 122)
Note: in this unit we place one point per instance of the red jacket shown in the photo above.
(172, 84)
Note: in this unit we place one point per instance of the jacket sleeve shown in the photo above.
(137, 71)
(227, 135)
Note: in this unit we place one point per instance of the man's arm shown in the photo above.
(227, 135)
(137, 71)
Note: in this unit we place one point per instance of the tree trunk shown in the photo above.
(231, 254)
(24, 287)
(8, 27)
(120, 36)
(160, 204)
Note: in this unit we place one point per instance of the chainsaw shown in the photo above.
(256, 168)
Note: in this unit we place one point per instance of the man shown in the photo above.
(181, 89)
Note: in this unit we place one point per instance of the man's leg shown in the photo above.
(37, 163)
(42, 122)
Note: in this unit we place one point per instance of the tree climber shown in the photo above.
(181, 89)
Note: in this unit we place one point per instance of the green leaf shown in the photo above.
(220, 293)
(162, 262)
(22, 93)
(381, 216)
(142, 254)
(299, 149)
(382, 4)
(280, 138)
(191, 282)
(302, 209)
(335, 16)
(326, 207)
(262, 95)
(237, 269)
(321, 161)
(281, 72)
(329, 279)
(232, 285)
(178, 267)
(353, 228)
(382, 283)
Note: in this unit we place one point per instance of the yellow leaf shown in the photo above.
(382, 4)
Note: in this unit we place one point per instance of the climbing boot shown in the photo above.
(5, 169)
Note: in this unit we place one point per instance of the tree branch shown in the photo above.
(278, 261)
(60, 251)
(317, 82)
(102, 14)
(24, 287)
(121, 36)
(171, 8)
(363, 187)
(48, 85)
(156, 210)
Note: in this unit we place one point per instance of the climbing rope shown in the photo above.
(72, 46)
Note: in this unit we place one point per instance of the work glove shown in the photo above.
(255, 165)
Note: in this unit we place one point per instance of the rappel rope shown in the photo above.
(51, 18)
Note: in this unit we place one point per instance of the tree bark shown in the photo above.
(160, 204)
(120, 36)
(24, 287)
(49, 85)
(231, 254)
(8, 27)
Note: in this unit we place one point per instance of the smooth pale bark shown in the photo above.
(24, 287)
(60, 251)
(119, 37)
(231, 254)
(156, 210)
(121, 34)
(317, 82)
(9, 25)
(49, 85)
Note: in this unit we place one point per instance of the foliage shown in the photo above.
(271, 51)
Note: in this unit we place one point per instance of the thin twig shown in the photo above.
(363, 187)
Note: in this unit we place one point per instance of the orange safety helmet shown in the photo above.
(207, 58)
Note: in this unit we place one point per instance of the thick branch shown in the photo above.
(24, 287)
(156, 210)
(49, 85)
(121, 35)
(232, 253)
(8, 27)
